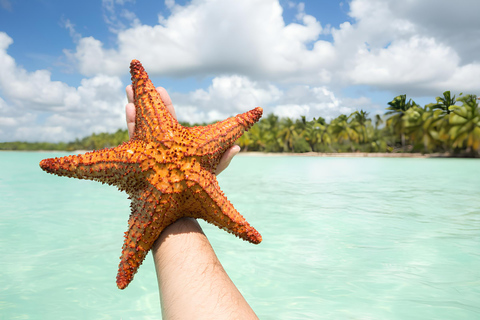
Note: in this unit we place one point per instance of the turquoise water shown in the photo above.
(343, 238)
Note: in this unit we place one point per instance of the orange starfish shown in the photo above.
(166, 169)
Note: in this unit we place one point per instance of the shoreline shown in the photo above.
(50, 151)
(305, 154)
(349, 154)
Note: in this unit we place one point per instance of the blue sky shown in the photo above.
(64, 64)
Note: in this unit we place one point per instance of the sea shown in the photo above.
(343, 238)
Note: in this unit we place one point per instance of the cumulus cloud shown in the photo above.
(404, 63)
(40, 109)
(226, 96)
(387, 45)
(33, 107)
(456, 24)
(229, 95)
(304, 100)
(23, 88)
(211, 37)
(402, 48)
(254, 59)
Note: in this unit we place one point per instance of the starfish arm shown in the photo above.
(115, 166)
(218, 137)
(152, 119)
(151, 213)
(205, 200)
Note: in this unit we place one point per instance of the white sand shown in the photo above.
(349, 154)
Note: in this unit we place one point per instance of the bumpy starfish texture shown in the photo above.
(167, 170)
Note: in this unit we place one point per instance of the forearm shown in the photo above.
(192, 282)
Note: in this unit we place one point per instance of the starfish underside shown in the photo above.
(167, 170)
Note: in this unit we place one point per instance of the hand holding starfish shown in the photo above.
(167, 170)
(191, 279)
(130, 113)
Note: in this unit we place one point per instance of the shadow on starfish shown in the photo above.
(166, 169)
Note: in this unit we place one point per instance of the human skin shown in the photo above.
(191, 279)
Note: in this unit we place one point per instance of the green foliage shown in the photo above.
(444, 126)
(464, 125)
(443, 103)
(93, 142)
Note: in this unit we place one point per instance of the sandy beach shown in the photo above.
(349, 154)
(305, 154)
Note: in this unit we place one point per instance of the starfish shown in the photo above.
(167, 170)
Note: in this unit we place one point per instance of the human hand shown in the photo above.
(130, 114)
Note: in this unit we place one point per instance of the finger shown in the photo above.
(130, 107)
(167, 101)
(226, 158)
(129, 90)
(130, 111)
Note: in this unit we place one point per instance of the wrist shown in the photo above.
(191, 279)
(181, 227)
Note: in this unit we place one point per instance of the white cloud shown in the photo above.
(397, 46)
(211, 37)
(33, 107)
(67, 24)
(226, 96)
(310, 102)
(115, 17)
(405, 62)
(229, 95)
(464, 79)
(454, 23)
(34, 89)
(255, 59)
(40, 109)
(388, 45)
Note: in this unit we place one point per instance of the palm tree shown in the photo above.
(359, 123)
(343, 131)
(443, 103)
(270, 125)
(464, 122)
(245, 141)
(378, 121)
(316, 133)
(301, 125)
(287, 134)
(422, 125)
(433, 126)
(253, 139)
(398, 106)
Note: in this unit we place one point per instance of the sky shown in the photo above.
(64, 65)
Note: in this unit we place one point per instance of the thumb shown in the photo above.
(226, 158)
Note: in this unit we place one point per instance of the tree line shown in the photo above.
(92, 142)
(450, 125)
